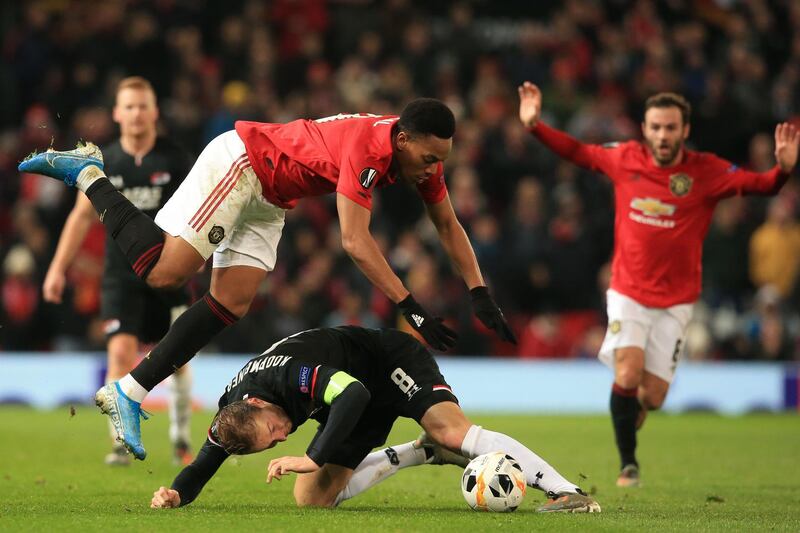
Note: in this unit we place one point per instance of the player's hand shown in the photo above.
(787, 138)
(53, 287)
(165, 498)
(489, 313)
(432, 329)
(530, 104)
(285, 465)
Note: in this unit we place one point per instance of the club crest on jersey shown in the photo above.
(652, 207)
(160, 178)
(367, 176)
(615, 327)
(216, 234)
(680, 184)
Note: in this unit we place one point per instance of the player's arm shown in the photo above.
(456, 243)
(347, 398)
(76, 227)
(734, 180)
(192, 479)
(359, 244)
(589, 156)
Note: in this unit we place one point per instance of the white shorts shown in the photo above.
(660, 332)
(219, 209)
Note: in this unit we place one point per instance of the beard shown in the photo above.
(671, 154)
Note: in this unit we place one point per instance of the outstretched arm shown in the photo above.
(192, 479)
(733, 180)
(456, 243)
(357, 241)
(530, 110)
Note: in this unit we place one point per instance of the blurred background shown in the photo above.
(542, 228)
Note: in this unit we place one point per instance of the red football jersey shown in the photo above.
(662, 214)
(349, 154)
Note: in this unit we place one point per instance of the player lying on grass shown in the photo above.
(355, 382)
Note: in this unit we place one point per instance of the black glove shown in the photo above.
(432, 329)
(492, 317)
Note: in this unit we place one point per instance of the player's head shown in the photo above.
(135, 107)
(250, 426)
(666, 126)
(423, 139)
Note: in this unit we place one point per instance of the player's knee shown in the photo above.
(653, 400)
(162, 279)
(450, 437)
(628, 378)
(305, 499)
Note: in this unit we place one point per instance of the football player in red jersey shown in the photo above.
(664, 198)
(232, 204)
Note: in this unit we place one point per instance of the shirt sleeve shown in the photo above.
(730, 180)
(600, 158)
(358, 173)
(345, 395)
(433, 190)
(194, 477)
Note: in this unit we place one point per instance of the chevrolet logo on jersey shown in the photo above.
(652, 207)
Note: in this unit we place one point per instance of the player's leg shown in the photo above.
(179, 400)
(139, 237)
(321, 488)
(664, 347)
(623, 350)
(123, 348)
(180, 412)
(245, 231)
(446, 424)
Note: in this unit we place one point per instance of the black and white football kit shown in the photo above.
(354, 381)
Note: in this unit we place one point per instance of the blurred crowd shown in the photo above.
(542, 229)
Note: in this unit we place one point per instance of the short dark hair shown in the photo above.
(670, 100)
(427, 116)
(234, 427)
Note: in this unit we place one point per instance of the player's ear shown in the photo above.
(686, 129)
(257, 402)
(644, 129)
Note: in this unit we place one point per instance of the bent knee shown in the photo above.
(628, 378)
(449, 437)
(306, 500)
(160, 280)
(653, 400)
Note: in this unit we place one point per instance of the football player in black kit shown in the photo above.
(147, 169)
(355, 382)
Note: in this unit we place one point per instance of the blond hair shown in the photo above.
(135, 82)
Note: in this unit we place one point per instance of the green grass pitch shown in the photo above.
(700, 473)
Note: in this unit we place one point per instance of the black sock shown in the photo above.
(189, 333)
(139, 237)
(624, 410)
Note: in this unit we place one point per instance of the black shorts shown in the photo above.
(412, 383)
(139, 310)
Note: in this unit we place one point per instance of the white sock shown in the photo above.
(87, 176)
(379, 466)
(538, 473)
(180, 406)
(111, 430)
(131, 388)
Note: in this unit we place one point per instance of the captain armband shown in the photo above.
(336, 385)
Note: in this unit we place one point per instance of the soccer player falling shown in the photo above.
(355, 382)
(232, 205)
(664, 198)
